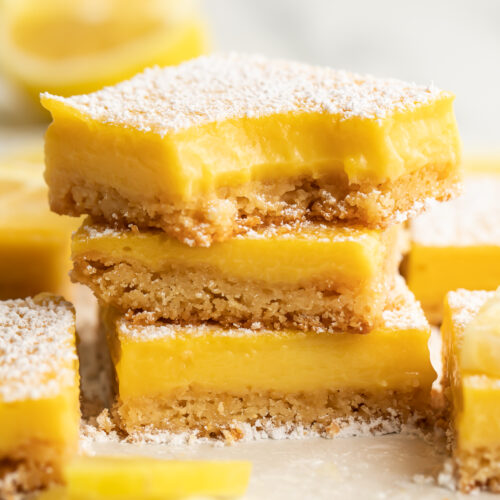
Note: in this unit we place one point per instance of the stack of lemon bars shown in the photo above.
(244, 237)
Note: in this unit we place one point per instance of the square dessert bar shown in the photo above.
(39, 393)
(306, 277)
(34, 243)
(217, 382)
(471, 360)
(456, 245)
(223, 143)
(124, 477)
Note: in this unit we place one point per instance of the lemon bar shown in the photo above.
(310, 277)
(34, 243)
(131, 478)
(211, 147)
(456, 245)
(39, 405)
(471, 356)
(214, 381)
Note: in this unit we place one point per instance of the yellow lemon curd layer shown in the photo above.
(130, 478)
(482, 162)
(34, 242)
(480, 350)
(349, 256)
(159, 359)
(475, 394)
(457, 245)
(49, 422)
(39, 384)
(174, 134)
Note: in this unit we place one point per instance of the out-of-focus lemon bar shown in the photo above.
(456, 245)
(39, 405)
(34, 243)
(471, 356)
(308, 277)
(482, 162)
(216, 381)
(213, 146)
(131, 478)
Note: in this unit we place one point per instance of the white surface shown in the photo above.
(385, 467)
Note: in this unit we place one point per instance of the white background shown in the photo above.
(453, 43)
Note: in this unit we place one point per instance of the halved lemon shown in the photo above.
(76, 46)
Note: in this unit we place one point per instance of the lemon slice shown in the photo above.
(71, 47)
(480, 351)
(129, 478)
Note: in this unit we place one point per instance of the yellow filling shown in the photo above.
(488, 163)
(156, 360)
(122, 478)
(475, 395)
(350, 256)
(51, 422)
(196, 161)
(480, 350)
(435, 270)
(34, 242)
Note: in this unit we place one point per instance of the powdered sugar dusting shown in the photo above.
(465, 304)
(222, 87)
(471, 219)
(406, 312)
(259, 430)
(37, 348)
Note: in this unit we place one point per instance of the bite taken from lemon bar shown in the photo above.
(471, 360)
(308, 277)
(223, 143)
(456, 245)
(220, 382)
(39, 394)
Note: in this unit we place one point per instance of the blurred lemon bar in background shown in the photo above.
(220, 381)
(211, 147)
(34, 242)
(39, 391)
(471, 360)
(133, 478)
(482, 163)
(331, 278)
(457, 244)
(75, 46)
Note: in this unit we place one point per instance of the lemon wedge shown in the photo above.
(72, 47)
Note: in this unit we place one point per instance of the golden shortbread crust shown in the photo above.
(478, 468)
(192, 296)
(35, 465)
(214, 414)
(232, 211)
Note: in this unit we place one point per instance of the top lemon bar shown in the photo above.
(216, 145)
